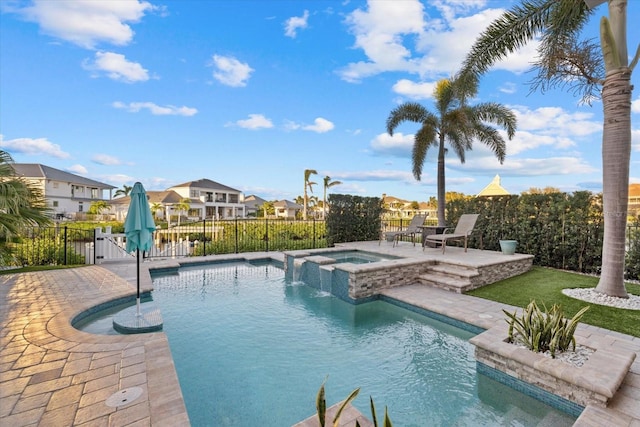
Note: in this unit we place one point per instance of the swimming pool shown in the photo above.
(252, 348)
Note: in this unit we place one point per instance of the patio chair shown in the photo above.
(411, 230)
(462, 231)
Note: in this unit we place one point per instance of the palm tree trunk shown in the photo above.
(324, 203)
(616, 155)
(441, 184)
(304, 202)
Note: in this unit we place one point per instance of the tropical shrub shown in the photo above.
(44, 251)
(632, 259)
(321, 407)
(542, 331)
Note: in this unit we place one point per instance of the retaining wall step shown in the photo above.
(455, 284)
(454, 271)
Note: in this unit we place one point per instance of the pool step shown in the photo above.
(451, 277)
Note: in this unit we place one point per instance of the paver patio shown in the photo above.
(53, 374)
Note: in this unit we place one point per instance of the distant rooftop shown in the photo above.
(493, 189)
(37, 170)
(206, 183)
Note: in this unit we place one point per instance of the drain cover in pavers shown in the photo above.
(124, 397)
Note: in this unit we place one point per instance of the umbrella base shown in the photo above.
(128, 321)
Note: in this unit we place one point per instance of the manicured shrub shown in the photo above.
(542, 331)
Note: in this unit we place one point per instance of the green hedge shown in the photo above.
(561, 230)
(353, 218)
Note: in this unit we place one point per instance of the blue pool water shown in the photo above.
(252, 349)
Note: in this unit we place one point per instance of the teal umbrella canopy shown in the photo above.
(139, 225)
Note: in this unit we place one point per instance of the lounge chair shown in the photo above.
(461, 232)
(411, 230)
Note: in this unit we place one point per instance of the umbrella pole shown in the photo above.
(138, 281)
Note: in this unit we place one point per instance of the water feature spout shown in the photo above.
(326, 278)
(298, 265)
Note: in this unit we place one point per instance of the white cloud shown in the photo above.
(374, 175)
(414, 90)
(398, 145)
(231, 72)
(294, 23)
(105, 159)
(78, 169)
(635, 106)
(379, 32)
(508, 88)
(320, 125)
(254, 122)
(635, 140)
(399, 36)
(87, 22)
(484, 162)
(156, 110)
(557, 121)
(33, 146)
(117, 67)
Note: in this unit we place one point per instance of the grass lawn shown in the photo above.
(545, 285)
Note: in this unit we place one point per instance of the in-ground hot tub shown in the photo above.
(352, 275)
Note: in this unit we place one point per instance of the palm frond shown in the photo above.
(511, 31)
(408, 112)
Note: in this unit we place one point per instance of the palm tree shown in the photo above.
(155, 207)
(183, 206)
(327, 184)
(21, 204)
(565, 59)
(124, 191)
(96, 208)
(307, 184)
(455, 123)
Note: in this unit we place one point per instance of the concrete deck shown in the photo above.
(53, 374)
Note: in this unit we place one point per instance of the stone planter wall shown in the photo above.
(594, 383)
(503, 270)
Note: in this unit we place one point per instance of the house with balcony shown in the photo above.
(210, 199)
(286, 209)
(68, 195)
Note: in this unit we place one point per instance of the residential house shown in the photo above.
(252, 204)
(167, 199)
(286, 209)
(210, 199)
(634, 199)
(68, 195)
(399, 208)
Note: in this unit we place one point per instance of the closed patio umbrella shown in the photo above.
(139, 227)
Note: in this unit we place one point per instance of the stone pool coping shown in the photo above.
(594, 383)
(51, 374)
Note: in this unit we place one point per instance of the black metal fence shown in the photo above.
(209, 237)
(54, 246)
(66, 245)
(63, 245)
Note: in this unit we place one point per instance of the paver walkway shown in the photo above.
(54, 375)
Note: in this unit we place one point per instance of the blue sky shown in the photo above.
(252, 93)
